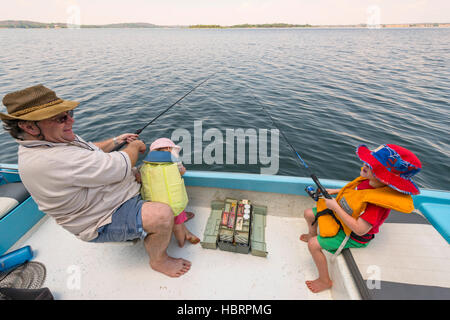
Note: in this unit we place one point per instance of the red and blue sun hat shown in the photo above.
(392, 165)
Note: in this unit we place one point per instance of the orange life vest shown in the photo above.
(354, 202)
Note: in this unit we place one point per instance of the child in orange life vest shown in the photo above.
(180, 230)
(361, 206)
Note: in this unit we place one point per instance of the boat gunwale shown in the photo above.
(295, 186)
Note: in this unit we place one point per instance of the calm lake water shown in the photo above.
(328, 89)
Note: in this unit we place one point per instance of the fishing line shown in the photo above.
(314, 195)
(118, 147)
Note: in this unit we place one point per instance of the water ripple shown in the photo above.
(329, 90)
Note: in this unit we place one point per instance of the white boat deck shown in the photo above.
(80, 270)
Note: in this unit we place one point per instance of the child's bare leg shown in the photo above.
(323, 282)
(191, 237)
(312, 229)
(179, 233)
(182, 234)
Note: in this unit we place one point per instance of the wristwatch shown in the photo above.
(115, 141)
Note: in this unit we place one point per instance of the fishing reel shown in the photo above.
(313, 193)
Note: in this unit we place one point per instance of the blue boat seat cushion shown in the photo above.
(11, 195)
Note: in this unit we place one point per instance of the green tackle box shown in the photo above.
(231, 230)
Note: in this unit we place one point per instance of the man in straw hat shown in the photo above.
(88, 190)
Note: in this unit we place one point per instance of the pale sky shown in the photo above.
(227, 12)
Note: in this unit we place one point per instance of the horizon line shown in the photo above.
(230, 25)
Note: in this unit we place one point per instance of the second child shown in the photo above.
(162, 182)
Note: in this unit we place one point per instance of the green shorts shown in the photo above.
(331, 244)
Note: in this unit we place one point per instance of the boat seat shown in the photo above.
(407, 260)
(11, 194)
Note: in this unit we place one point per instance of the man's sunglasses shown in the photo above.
(64, 118)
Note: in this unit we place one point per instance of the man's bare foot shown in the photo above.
(318, 285)
(305, 237)
(172, 267)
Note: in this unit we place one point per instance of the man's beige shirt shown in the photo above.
(76, 183)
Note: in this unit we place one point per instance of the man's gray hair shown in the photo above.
(12, 126)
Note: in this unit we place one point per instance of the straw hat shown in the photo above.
(392, 165)
(34, 104)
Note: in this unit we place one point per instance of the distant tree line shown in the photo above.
(271, 25)
(31, 24)
(246, 25)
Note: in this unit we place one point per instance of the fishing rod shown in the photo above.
(310, 190)
(138, 131)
